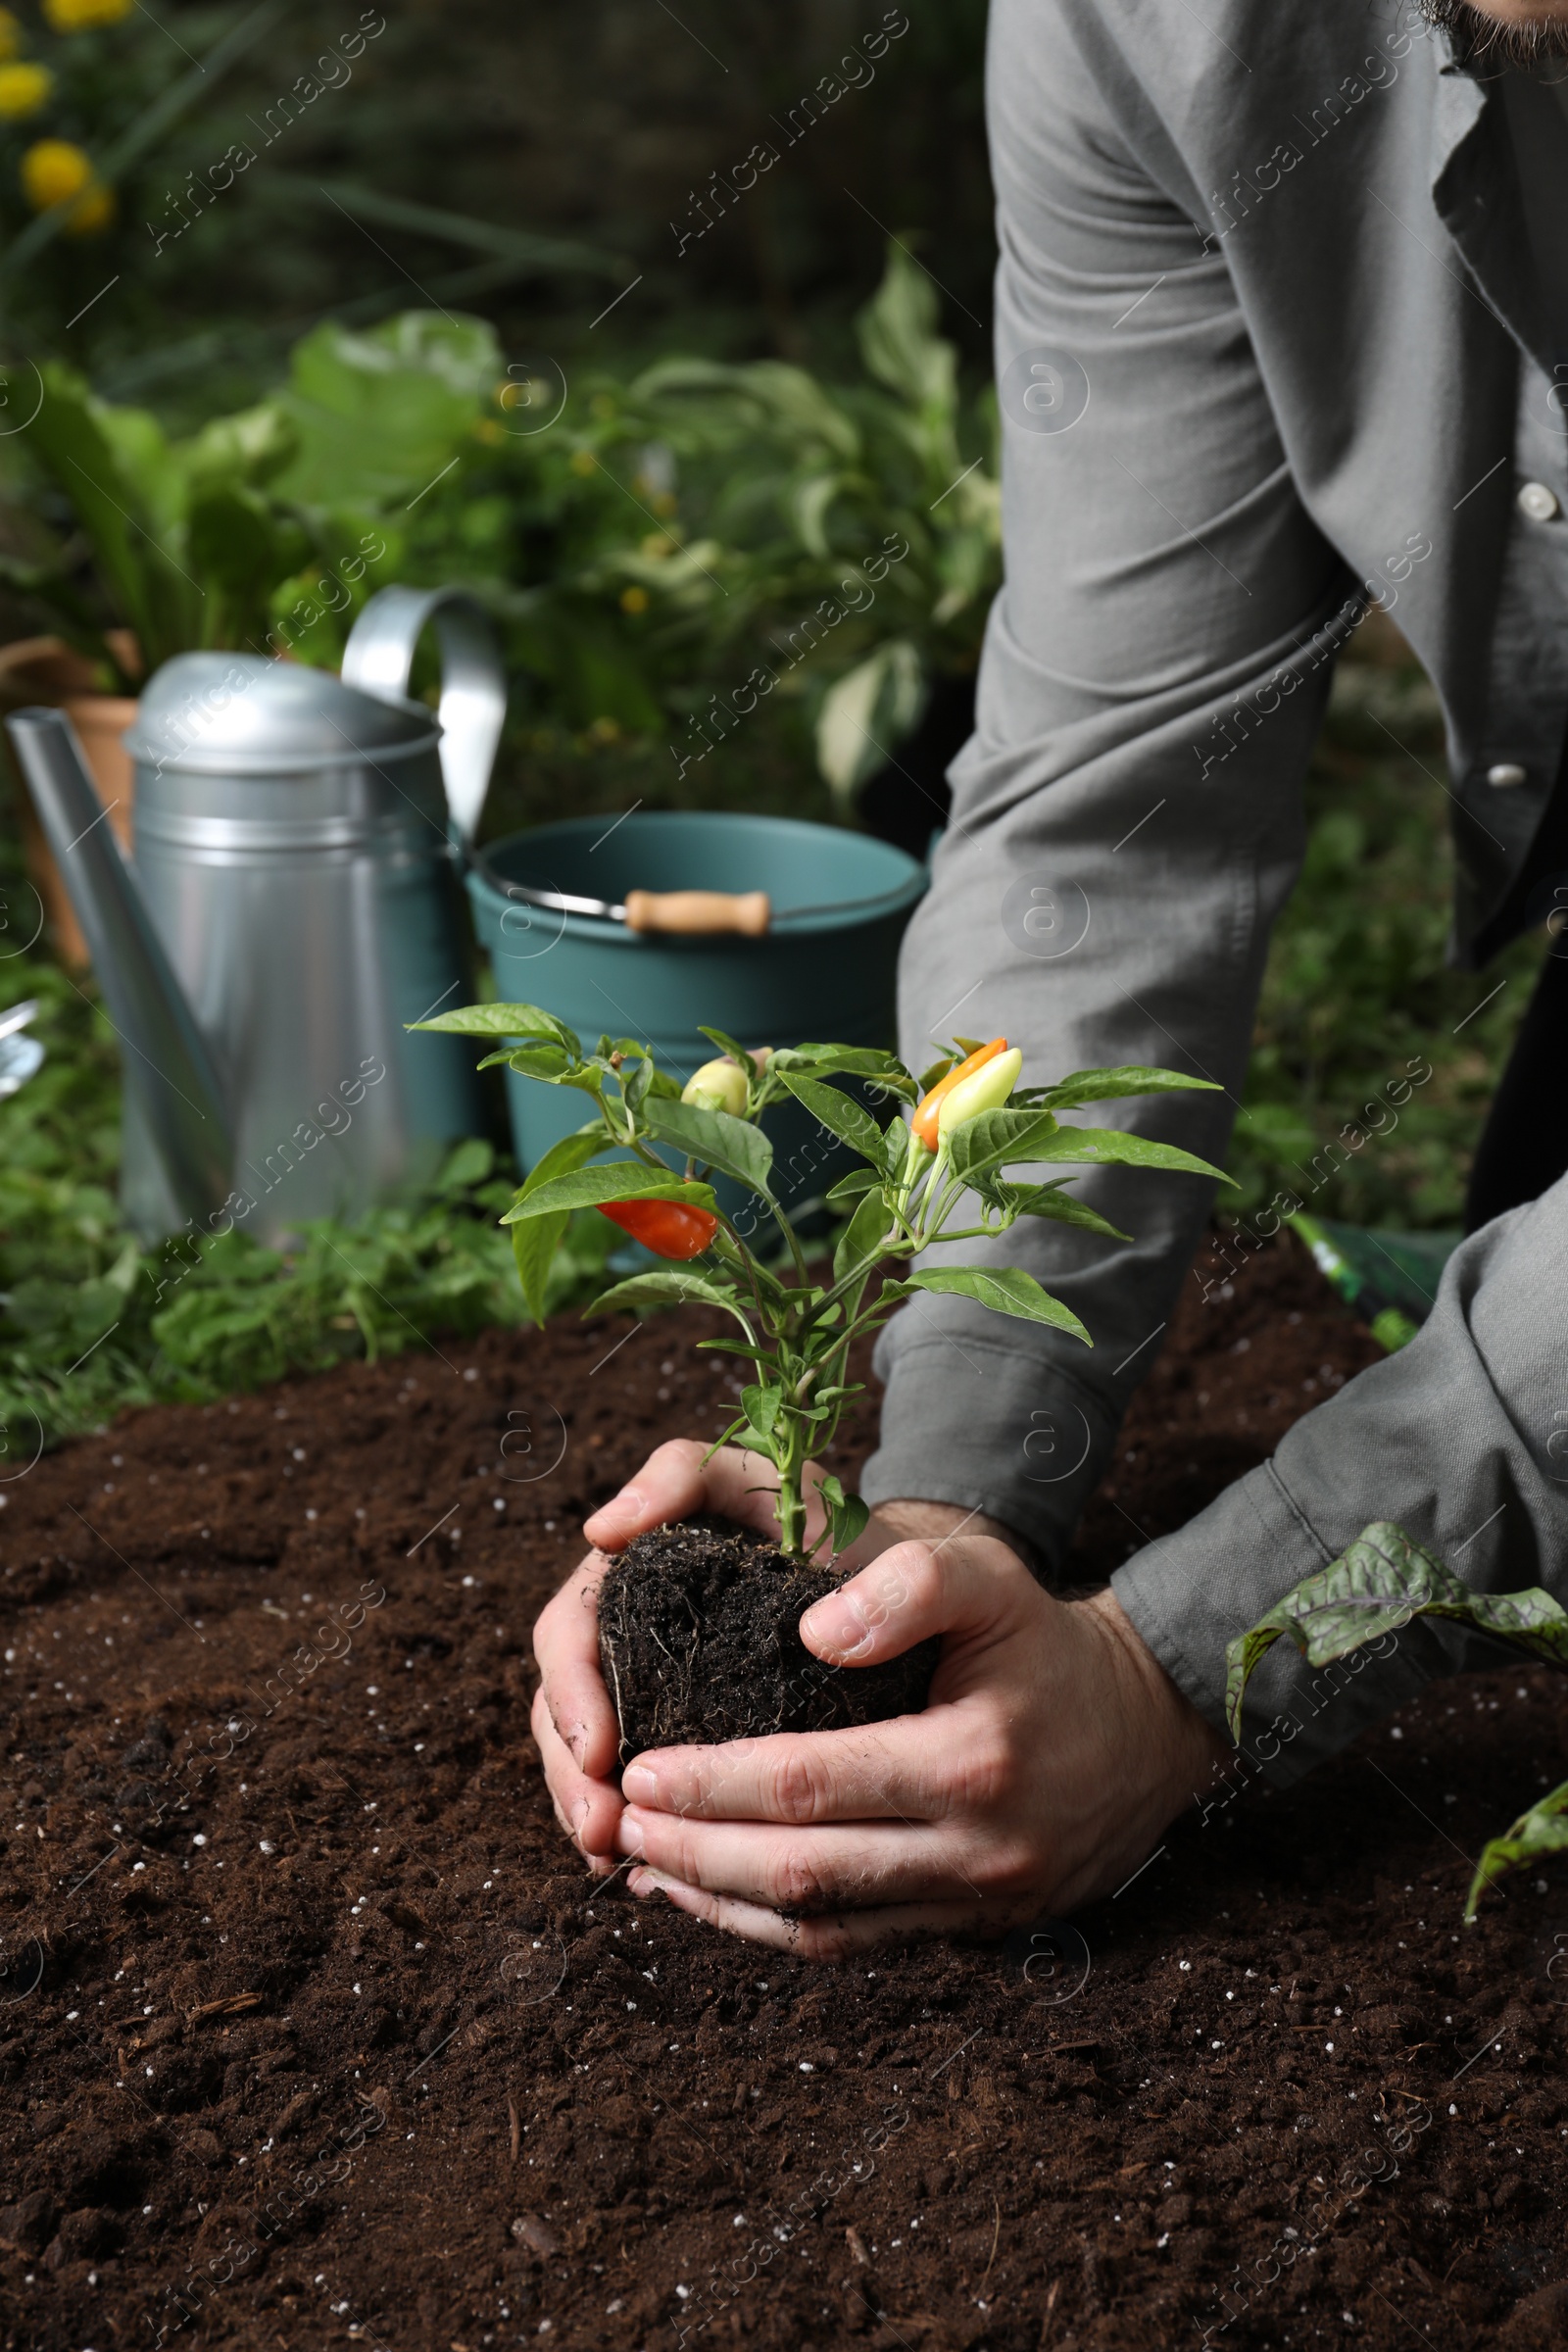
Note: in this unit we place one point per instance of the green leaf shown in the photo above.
(1376, 1586)
(1008, 1289)
(846, 1514)
(1131, 1078)
(504, 1020)
(756, 1350)
(867, 714)
(593, 1188)
(992, 1139)
(535, 1239)
(1540, 1832)
(862, 1061)
(858, 1248)
(727, 1045)
(838, 1114)
(898, 337)
(1108, 1146)
(662, 1287)
(381, 412)
(851, 1187)
(714, 1137)
(762, 1405)
(1049, 1201)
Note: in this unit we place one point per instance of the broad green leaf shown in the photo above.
(860, 1244)
(1130, 1078)
(1008, 1289)
(593, 1188)
(899, 339)
(536, 1240)
(380, 413)
(868, 713)
(671, 1288)
(995, 1139)
(1377, 1586)
(838, 1114)
(714, 1137)
(1108, 1146)
(503, 1020)
(1540, 1832)
(761, 1404)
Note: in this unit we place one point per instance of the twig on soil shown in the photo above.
(516, 2127)
(995, 2235)
(230, 2005)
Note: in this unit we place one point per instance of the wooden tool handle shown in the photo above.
(699, 910)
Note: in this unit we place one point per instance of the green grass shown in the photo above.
(1356, 993)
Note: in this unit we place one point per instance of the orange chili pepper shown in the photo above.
(929, 1108)
(667, 1227)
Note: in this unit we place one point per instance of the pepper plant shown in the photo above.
(939, 1176)
(1375, 1588)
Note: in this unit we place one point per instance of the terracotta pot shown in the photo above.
(45, 669)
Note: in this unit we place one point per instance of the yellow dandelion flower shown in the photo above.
(584, 461)
(85, 16)
(634, 600)
(24, 89)
(9, 34)
(487, 430)
(52, 172)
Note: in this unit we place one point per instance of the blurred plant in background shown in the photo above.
(643, 546)
(1356, 988)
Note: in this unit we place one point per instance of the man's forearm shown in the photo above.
(1453, 1439)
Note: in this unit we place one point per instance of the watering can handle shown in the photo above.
(378, 659)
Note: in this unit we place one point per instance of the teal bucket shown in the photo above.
(831, 974)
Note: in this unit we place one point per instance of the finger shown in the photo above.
(565, 1643)
(833, 1937)
(587, 1810)
(898, 1770)
(678, 1480)
(971, 1589)
(854, 1867)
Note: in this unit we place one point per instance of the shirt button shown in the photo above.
(1539, 503)
(1506, 772)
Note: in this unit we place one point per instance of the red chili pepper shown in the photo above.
(667, 1227)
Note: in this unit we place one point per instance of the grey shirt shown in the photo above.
(1269, 343)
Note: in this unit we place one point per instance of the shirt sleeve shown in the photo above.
(1461, 1438)
(1124, 829)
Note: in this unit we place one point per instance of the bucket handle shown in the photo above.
(379, 657)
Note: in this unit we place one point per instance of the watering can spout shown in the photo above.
(167, 1064)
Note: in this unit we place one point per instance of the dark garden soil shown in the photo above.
(328, 2036)
(749, 1673)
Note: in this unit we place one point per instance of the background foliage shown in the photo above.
(488, 300)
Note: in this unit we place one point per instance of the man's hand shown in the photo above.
(1053, 1750)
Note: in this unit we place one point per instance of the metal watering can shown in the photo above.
(294, 902)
